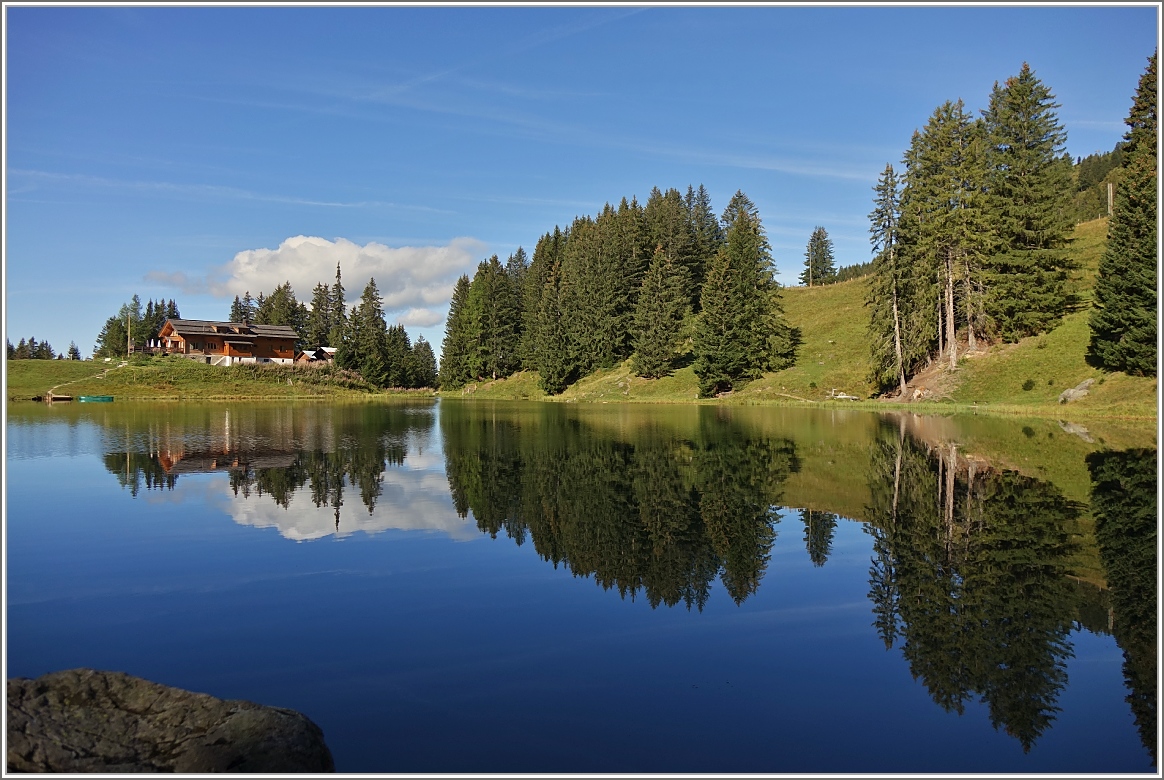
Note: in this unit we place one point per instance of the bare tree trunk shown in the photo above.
(897, 338)
(951, 330)
(941, 326)
(973, 343)
(951, 470)
(897, 467)
(969, 493)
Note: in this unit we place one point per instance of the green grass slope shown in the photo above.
(173, 378)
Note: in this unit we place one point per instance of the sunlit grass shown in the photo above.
(177, 378)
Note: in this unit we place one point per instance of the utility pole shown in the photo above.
(1109, 198)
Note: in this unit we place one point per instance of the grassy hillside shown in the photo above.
(174, 378)
(834, 355)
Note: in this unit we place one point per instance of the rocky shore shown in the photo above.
(81, 720)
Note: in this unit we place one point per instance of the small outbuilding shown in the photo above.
(316, 355)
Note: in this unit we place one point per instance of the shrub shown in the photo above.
(1029, 384)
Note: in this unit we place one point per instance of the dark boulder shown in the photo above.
(81, 720)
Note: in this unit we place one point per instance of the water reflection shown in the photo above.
(325, 455)
(970, 574)
(979, 571)
(1123, 498)
(663, 513)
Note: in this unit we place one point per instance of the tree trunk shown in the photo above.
(941, 325)
(897, 467)
(951, 330)
(972, 341)
(897, 335)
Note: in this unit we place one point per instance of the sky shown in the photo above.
(197, 153)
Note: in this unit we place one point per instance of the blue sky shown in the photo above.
(195, 153)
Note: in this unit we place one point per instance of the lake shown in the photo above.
(537, 587)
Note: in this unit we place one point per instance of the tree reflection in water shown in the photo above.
(351, 448)
(1123, 498)
(647, 512)
(969, 574)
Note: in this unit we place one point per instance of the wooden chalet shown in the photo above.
(226, 343)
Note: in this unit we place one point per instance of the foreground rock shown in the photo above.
(83, 720)
(1077, 392)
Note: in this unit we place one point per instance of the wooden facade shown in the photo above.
(226, 343)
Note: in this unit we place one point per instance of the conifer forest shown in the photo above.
(969, 235)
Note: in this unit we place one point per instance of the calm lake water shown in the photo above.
(472, 587)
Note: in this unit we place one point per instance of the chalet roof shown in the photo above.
(236, 330)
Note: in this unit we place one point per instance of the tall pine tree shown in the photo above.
(888, 290)
(493, 323)
(1030, 189)
(741, 331)
(319, 325)
(454, 370)
(339, 315)
(659, 316)
(1123, 324)
(554, 352)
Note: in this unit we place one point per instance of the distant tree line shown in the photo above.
(31, 349)
(969, 240)
(1092, 174)
(655, 283)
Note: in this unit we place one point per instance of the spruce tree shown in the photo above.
(74, 352)
(659, 316)
(368, 338)
(818, 259)
(669, 225)
(1030, 188)
(707, 237)
(424, 373)
(492, 322)
(545, 256)
(554, 353)
(945, 232)
(1123, 323)
(454, 369)
(319, 324)
(339, 317)
(740, 332)
(399, 365)
(888, 290)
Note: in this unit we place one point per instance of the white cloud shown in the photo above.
(409, 501)
(421, 318)
(415, 281)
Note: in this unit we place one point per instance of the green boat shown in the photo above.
(95, 399)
